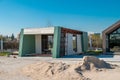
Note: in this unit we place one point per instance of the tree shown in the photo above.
(12, 37)
(1, 37)
(96, 40)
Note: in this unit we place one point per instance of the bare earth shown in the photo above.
(30, 68)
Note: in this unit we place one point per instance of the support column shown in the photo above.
(84, 42)
(56, 43)
(79, 44)
(21, 42)
(38, 44)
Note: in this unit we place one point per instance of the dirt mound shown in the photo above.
(52, 71)
(46, 68)
(63, 71)
(93, 63)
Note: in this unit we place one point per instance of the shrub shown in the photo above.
(4, 53)
(94, 52)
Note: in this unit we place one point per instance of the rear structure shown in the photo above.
(52, 41)
(111, 39)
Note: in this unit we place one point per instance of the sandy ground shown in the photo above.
(10, 68)
(104, 75)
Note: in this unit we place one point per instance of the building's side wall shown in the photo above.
(56, 43)
(38, 44)
(104, 42)
(84, 41)
(27, 44)
(70, 44)
(79, 44)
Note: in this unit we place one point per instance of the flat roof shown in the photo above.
(49, 30)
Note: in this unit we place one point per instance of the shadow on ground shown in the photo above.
(82, 55)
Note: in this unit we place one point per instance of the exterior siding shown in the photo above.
(27, 44)
(84, 41)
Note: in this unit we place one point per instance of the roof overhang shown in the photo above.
(66, 30)
(112, 28)
(32, 31)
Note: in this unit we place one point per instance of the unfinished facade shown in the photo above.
(55, 41)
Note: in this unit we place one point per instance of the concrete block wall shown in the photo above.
(38, 46)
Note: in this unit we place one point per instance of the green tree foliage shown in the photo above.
(96, 40)
(9, 42)
(1, 37)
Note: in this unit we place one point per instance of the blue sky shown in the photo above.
(85, 15)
